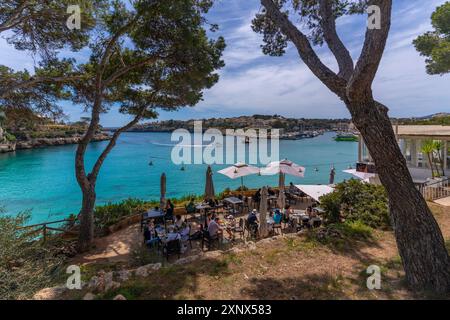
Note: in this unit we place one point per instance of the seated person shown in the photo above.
(190, 207)
(309, 211)
(184, 231)
(214, 229)
(257, 196)
(230, 226)
(169, 210)
(252, 220)
(292, 189)
(197, 234)
(213, 203)
(287, 213)
(209, 217)
(178, 221)
(277, 217)
(150, 236)
(172, 235)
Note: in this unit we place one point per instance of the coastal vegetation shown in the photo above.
(354, 201)
(442, 119)
(435, 45)
(29, 130)
(247, 122)
(26, 264)
(421, 245)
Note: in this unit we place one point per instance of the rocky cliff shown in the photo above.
(47, 142)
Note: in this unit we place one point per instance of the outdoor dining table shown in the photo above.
(319, 210)
(151, 214)
(234, 201)
(203, 208)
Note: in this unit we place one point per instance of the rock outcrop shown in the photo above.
(50, 293)
(47, 142)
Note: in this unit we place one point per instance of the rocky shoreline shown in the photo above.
(48, 142)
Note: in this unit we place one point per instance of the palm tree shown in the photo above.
(437, 148)
(428, 148)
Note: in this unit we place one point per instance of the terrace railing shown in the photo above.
(45, 229)
(436, 190)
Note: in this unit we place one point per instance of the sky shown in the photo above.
(252, 83)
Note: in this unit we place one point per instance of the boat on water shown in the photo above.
(346, 136)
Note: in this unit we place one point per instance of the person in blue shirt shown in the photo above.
(252, 220)
(277, 216)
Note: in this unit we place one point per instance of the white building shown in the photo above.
(410, 139)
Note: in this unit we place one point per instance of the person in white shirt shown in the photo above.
(172, 235)
(178, 221)
(214, 228)
(185, 230)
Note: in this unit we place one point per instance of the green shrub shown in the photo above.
(112, 213)
(354, 229)
(341, 235)
(224, 193)
(187, 198)
(354, 200)
(10, 137)
(26, 264)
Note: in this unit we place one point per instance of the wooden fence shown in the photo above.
(43, 230)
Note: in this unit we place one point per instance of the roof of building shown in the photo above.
(422, 130)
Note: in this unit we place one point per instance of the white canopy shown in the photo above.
(284, 166)
(360, 175)
(239, 170)
(315, 191)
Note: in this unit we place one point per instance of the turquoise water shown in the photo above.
(43, 180)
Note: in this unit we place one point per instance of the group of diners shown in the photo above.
(279, 219)
(165, 229)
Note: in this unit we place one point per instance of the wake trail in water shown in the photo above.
(183, 145)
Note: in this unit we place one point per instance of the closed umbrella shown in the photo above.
(163, 191)
(332, 174)
(239, 170)
(263, 230)
(209, 185)
(281, 196)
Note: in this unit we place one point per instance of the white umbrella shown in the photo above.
(239, 170)
(315, 191)
(360, 175)
(284, 166)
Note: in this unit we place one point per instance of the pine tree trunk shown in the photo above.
(86, 235)
(419, 238)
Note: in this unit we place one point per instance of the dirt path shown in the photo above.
(113, 248)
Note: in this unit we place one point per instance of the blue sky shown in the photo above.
(253, 83)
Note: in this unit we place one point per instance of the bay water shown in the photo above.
(43, 180)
